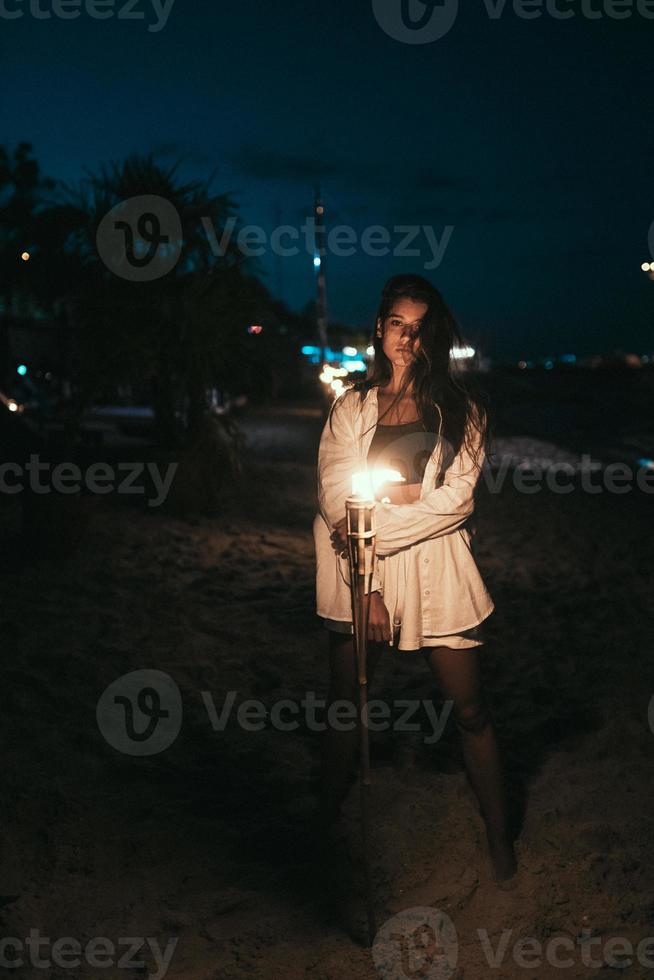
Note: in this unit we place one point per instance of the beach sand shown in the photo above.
(210, 842)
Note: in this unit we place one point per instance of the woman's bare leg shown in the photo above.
(340, 748)
(457, 674)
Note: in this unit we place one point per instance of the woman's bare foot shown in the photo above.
(502, 858)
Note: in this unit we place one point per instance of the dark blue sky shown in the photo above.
(533, 139)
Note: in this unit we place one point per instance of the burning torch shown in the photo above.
(361, 545)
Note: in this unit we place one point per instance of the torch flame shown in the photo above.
(366, 483)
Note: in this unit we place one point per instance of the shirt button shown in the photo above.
(426, 591)
(426, 560)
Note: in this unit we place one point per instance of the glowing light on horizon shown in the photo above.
(350, 351)
(25, 256)
(462, 352)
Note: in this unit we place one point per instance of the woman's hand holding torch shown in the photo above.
(368, 485)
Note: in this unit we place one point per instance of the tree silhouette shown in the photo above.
(22, 188)
(182, 330)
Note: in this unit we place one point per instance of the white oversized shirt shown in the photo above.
(431, 538)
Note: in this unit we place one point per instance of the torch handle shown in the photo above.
(361, 554)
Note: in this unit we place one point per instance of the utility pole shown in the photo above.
(279, 262)
(321, 282)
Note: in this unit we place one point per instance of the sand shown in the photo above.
(210, 841)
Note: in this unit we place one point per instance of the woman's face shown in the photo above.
(400, 330)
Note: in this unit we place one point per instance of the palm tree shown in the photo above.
(175, 329)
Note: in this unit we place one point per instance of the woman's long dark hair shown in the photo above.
(437, 379)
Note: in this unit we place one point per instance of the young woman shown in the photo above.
(412, 413)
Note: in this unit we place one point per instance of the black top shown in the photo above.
(405, 447)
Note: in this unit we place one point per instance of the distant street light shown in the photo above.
(25, 256)
(459, 353)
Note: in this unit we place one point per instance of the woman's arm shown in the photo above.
(338, 459)
(441, 511)
(402, 493)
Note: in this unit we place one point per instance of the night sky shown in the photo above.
(532, 138)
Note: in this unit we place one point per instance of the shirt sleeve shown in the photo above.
(338, 458)
(441, 511)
